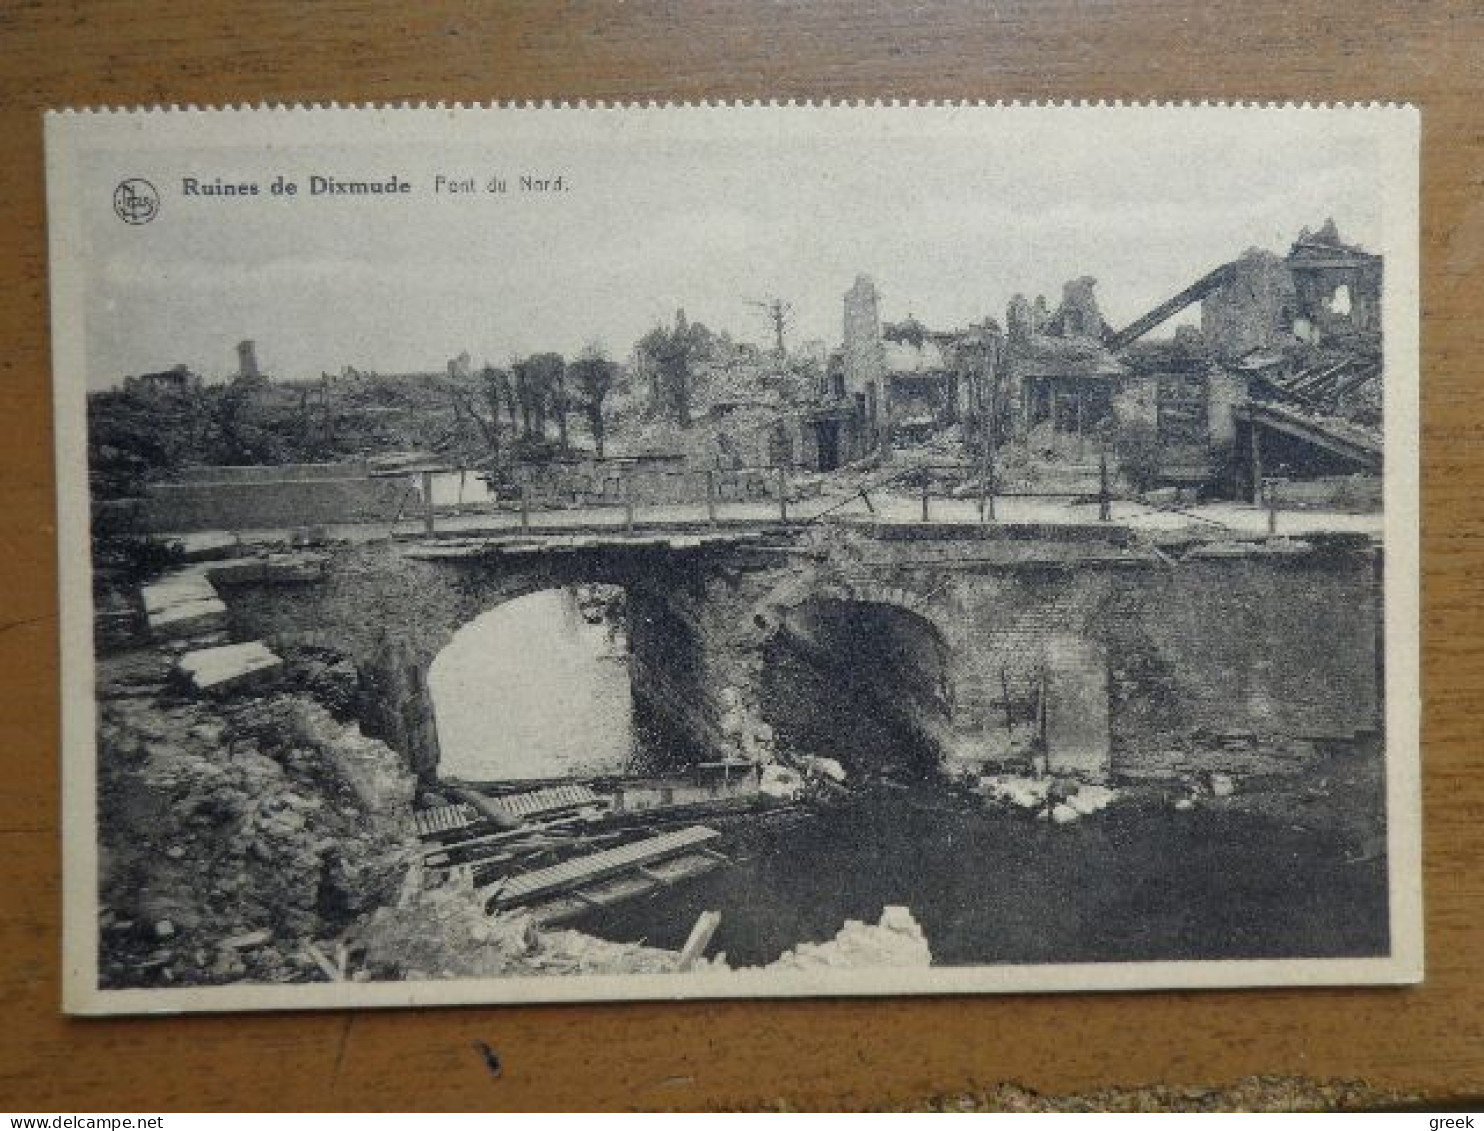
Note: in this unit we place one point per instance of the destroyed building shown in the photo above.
(1324, 291)
(1063, 381)
(175, 380)
(906, 382)
(1304, 333)
(1281, 383)
(1276, 397)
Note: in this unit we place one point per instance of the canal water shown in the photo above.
(997, 887)
(539, 687)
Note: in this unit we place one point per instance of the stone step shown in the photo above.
(182, 605)
(231, 667)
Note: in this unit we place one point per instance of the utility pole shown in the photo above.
(986, 472)
(778, 313)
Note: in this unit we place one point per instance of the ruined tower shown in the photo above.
(1079, 316)
(247, 359)
(865, 366)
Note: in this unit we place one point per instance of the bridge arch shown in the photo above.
(865, 682)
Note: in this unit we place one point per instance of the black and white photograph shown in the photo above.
(597, 553)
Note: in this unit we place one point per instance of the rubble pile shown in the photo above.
(445, 933)
(235, 832)
(896, 940)
(1058, 799)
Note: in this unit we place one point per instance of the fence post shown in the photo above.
(711, 497)
(1105, 500)
(1269, 486)
(628, 505)
(924, 499)
(525, 505)
(429, 519)
(782, 493)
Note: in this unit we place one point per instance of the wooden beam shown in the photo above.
(699, 940)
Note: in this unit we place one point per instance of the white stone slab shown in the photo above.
(230, 667)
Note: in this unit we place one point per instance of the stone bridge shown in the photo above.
(917, 646)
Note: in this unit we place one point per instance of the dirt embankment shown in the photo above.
(259, 836)
(234, 833)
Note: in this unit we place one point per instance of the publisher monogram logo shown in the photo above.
(136, 201)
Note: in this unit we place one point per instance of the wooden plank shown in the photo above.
(542, 801)
(584, 869)
(565, 906)
(699, 939)
(444, 819)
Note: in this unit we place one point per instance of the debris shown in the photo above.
(827, 767)
(700, 938)
(328, 968)
(1063, 814)
(896, 940)
(1019, 792)
(164, 929)
(230, 668)
(780, 782)
(498, 815)
(1091, 799)
(1222, 785)
(246, 941)
(182, 605)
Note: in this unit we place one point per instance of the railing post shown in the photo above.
(1256, 442)
(525, 505)
(628, 506)
(924, 499)
(1105, 500)
(782, 493)
(1272, 501)
(429, 518)
(711, 497)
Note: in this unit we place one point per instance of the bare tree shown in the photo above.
(493, 388)
(673, 353)
(540, 385)
(594, 375)
(779, 314)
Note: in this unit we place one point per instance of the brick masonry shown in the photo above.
(1277, 645)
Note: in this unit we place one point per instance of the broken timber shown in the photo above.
(609, 876)
(445, 822)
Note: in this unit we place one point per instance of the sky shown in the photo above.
(948, 227)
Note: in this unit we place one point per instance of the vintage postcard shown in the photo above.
(575, 553)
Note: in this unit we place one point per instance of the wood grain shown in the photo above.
(747, 1053)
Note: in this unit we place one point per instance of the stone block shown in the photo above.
(188, 619)
(208, 545)
(183, 605)
(233, 667)
(236, 571)
(294, 567)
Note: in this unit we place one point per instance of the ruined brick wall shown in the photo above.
(1225, 390)
(1254, 310)
(1279, 646)
(656, 483)
(250, 504)
(864, 359)
(272, 473)
(1282, 646)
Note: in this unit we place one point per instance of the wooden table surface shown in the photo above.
(748, 1053)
